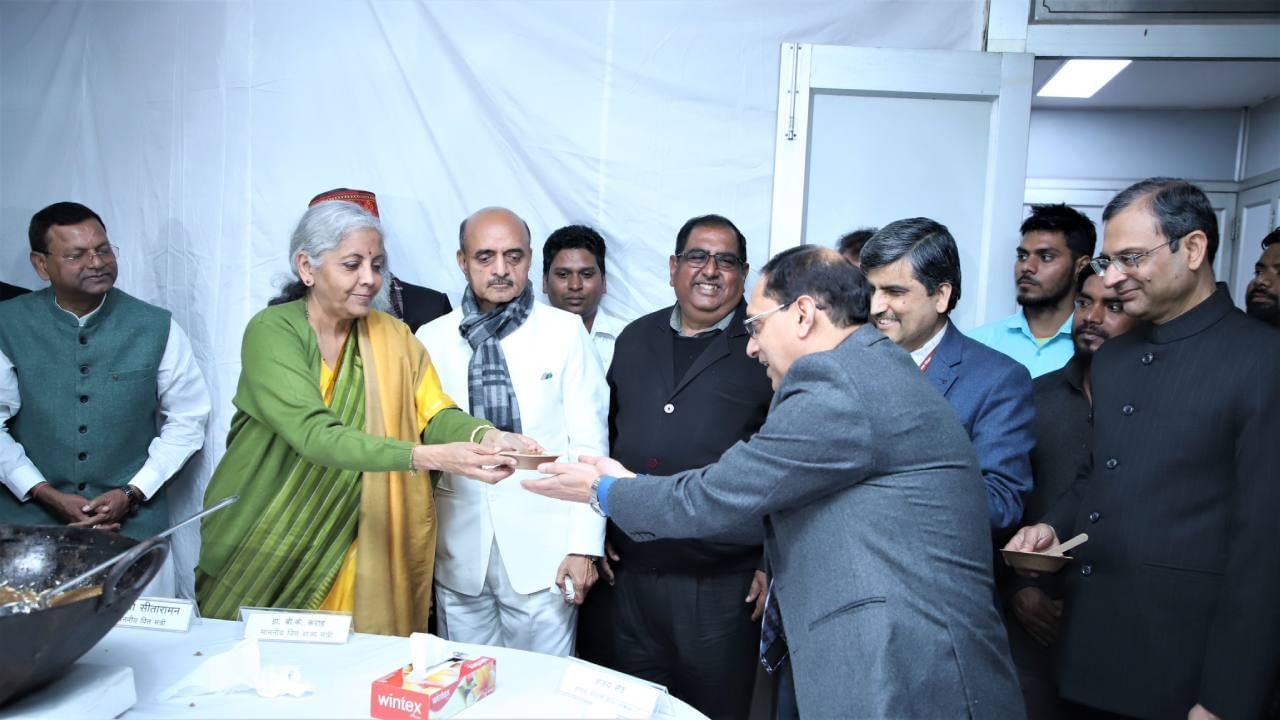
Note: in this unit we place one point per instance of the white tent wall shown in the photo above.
(199, 130)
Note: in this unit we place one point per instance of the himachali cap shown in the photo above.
(363, 198)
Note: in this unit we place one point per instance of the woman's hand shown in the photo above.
(462, 458)
(501, 441)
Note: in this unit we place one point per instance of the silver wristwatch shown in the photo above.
(595, 497)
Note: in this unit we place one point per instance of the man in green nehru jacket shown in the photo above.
(101, 401)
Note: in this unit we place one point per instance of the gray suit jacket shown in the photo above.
(875, 522)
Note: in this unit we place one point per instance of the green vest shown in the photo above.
(89, 399)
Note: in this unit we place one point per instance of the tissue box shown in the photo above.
(449, 688)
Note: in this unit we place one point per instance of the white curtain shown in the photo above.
(199, 130)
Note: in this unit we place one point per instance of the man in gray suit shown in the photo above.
(873, 509)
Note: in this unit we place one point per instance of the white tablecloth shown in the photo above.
(528, 683)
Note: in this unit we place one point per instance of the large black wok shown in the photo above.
(36, 647)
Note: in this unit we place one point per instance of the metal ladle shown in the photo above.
(41, 601)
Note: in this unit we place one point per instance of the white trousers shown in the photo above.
(541, 622)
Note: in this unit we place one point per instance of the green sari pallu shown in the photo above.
(294, 545)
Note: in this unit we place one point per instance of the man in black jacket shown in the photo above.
(1170, 606)
(1063, 430)
(683, 613)
(8, 292)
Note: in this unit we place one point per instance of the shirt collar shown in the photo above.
(81, 321)
(1018, 322)
(606, 325)
(918, 355)
(677, 322)
(1073, 373)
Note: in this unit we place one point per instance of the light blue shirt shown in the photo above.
(1012, 336)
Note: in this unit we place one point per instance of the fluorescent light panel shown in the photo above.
(1082, 78)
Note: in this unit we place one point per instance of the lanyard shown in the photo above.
(928, 360)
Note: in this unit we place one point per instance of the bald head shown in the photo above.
(482, 214)
(494, 256)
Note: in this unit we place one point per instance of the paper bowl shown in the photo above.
(1034, 562)
(529, 461)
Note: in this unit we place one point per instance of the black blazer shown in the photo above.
(420, 305)
(1172, 602)
(660, 424)
(8, 292)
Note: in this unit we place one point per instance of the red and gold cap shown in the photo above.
(363, 198)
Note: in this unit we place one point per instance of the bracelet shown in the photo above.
(31, 494)
(482, 427)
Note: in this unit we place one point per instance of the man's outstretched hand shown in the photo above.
(572, 481)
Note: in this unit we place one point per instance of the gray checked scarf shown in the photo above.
(488, 379)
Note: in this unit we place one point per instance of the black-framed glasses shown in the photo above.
(752, 324)
(727, 262)
(102, 252)
(1126, 260)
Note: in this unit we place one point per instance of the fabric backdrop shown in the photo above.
(199, 130)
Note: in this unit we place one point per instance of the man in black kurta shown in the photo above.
(683, 391)
(1170, 608)
(1063, 430)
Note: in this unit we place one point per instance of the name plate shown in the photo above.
(610, 693)
(296, 626)
(167, 614)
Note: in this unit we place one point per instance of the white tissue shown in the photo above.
(239, 669)
(425, 652)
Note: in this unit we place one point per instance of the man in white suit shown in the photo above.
(512, 566)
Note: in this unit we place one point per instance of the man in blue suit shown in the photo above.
(915, 268)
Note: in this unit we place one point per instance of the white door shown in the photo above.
(1259, 213)
(1091, 197)
(870, 135)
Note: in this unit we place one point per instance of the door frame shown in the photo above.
(1001, 79)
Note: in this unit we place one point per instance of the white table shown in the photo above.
(341, 675)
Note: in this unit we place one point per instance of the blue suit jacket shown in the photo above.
(992, 395)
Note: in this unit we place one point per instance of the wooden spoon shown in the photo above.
(1080, 539)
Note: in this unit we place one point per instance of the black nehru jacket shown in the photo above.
(661, 424)
(1172, 600)
(8, 292)
(420, 305)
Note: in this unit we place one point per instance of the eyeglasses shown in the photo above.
(1126, 260)
(727, 262)
(752, 324)
(103, 253)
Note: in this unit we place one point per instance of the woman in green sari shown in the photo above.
(339, 416)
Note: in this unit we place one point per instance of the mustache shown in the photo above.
(1091, 329)
(886, 315)
(500, 282)
(1026, 277)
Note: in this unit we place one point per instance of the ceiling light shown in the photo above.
(1082, 78)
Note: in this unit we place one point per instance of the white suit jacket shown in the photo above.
(564, 405)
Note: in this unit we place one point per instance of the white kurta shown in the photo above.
(605, 330)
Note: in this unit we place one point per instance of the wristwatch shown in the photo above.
(595, 496)
(133, 495)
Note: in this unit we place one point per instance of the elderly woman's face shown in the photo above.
(349, 276)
